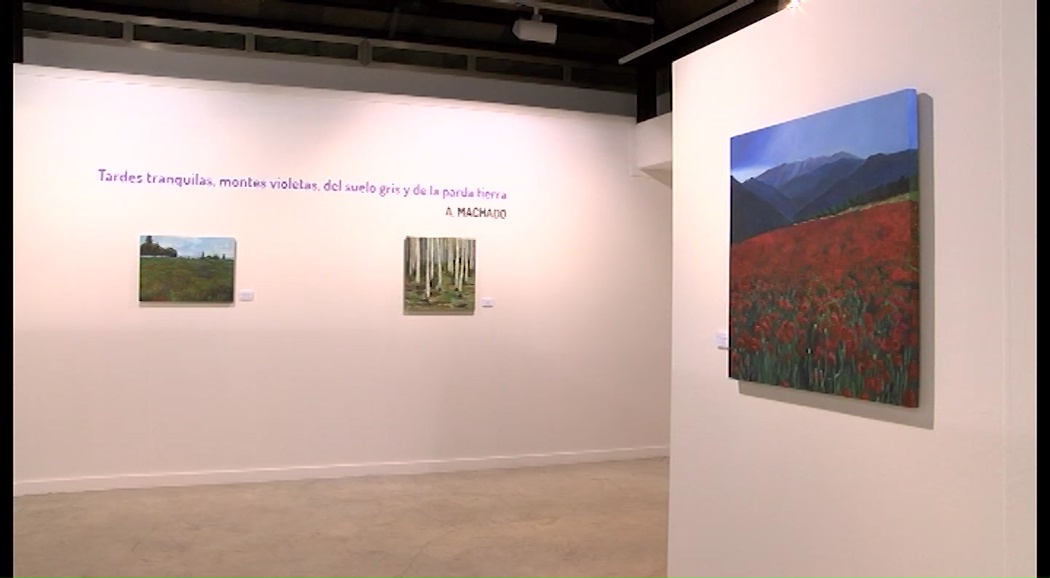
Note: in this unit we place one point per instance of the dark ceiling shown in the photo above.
(456, 36)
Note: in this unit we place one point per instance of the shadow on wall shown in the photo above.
(663, 176)
(922, 416)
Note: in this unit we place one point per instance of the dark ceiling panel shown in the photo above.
(435, 22)
(438, 34)
(479, 11)
(231, 7)
(17, 33)
(676, 14)
(718, 29)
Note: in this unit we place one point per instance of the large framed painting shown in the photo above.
(824, 252)
(439, 275)
(186, 269)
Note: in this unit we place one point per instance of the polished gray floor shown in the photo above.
(603, 519)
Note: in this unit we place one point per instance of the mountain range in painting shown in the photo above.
(824, 252)
(815, 187)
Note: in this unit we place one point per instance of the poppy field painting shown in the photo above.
(824, 252)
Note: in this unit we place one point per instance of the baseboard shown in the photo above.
(128, 481)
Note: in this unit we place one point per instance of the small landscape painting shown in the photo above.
(824, 252)
(186, 269)
(439, 275)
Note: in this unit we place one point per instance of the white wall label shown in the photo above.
(722, 339)
(246, 295)
(488, 302)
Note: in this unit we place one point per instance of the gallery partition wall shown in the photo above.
(771, 475)
(235, 282)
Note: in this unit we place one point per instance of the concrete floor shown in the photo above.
(603, 519)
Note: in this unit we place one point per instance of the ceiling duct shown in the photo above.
(721, 13)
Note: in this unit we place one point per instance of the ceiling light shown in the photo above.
(535, 29)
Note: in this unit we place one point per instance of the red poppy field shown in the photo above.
(831, 305)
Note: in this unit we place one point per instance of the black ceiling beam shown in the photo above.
(646, 73)
(203, 17)
(712, 32)
(650, 65)
(722, 27)
(18, 34)
(636, 7)
(468, 14)
(506, 44)
(565, 9)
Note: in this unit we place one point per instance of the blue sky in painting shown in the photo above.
(192, 246)
(884, 124)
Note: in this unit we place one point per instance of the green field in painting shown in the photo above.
(173, 279)
(444, 299)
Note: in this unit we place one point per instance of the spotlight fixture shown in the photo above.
(535, 29)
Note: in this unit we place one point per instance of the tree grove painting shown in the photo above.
(439, 275)
(824, 252)
(186, 269)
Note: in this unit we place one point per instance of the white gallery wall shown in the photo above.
(321, 374)
(773, 482)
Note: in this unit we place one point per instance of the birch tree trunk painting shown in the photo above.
(439, 275)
